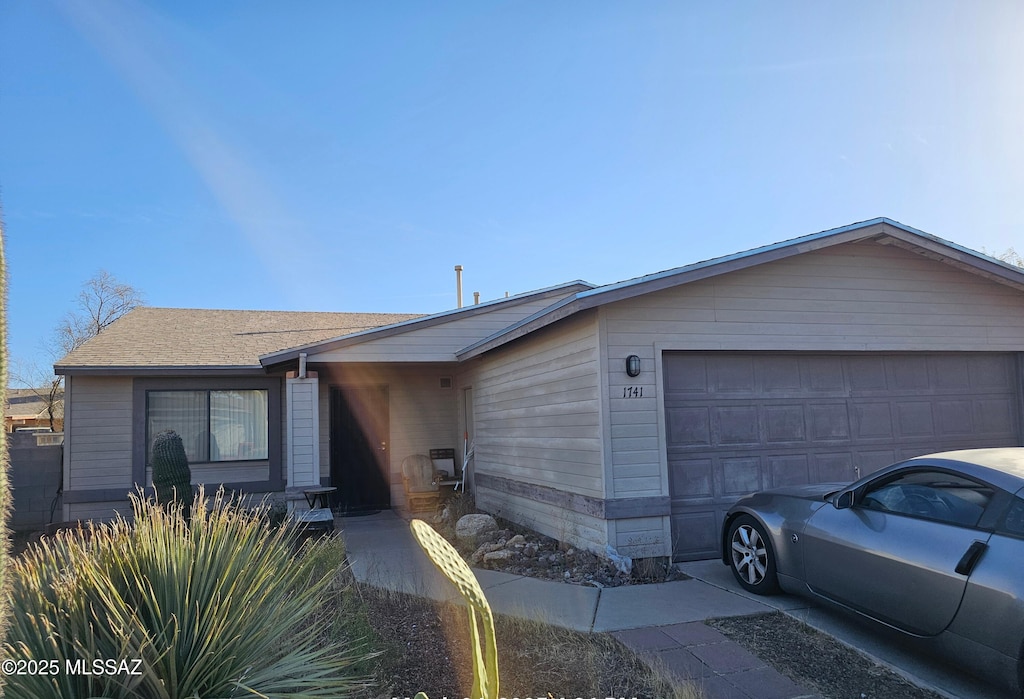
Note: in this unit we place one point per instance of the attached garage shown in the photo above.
(738, 422)
(819, 359)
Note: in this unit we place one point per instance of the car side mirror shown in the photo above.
(844, 500)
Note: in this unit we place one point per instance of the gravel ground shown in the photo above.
(816, 660)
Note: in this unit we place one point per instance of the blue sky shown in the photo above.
(346, 155)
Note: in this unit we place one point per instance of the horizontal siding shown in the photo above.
(573, 528)
(300, 461)
(437, 343)
(98, 511)
(213, 475)
(641, 537)
(854, 297)
(536, 410)
(100, 433)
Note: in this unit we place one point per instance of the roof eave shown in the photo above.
(175, 370)
(562, 309)
(954, 255)
(292, 354)
(883, 230)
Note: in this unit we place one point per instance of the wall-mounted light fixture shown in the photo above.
(633, 365)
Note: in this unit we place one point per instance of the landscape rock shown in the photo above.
(473, 527)
(519, 551)
(502, 555)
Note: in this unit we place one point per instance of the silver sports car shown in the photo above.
(932, 547)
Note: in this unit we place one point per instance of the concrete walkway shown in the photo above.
(663, 621)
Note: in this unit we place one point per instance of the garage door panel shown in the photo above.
(696, 532)
(689, 427)
(733, 375)
(867, 374)
(872, 421)
(790, 469)
(994, 416)
(780, 374)
(951, 373)
(823, 374)
(784, 423)
(914, 419)
(691, 478)
(738, 475)
(908, 373)
(828, 421)
(690, 375)
(736, 423)
(955, 416)
(869, 461)
(833, 467)
(990, 373)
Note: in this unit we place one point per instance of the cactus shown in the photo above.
(172, 477)
(449, 562)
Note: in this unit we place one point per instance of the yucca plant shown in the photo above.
(220, 607)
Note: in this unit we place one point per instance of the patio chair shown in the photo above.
(421, 490)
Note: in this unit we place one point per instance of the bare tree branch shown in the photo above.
(1010, 255)
(103, 300)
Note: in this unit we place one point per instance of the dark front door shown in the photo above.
(359, 447)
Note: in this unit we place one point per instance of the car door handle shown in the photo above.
(971, 557)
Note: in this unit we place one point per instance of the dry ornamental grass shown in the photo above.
(427, 649)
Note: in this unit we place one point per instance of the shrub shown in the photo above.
(219, 607)
(459, 505)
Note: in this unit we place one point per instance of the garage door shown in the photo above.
(736, 423)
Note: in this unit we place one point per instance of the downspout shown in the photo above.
(302, 365)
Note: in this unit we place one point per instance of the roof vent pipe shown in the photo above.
(458, 284)
(476, 298)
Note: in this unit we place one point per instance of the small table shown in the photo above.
(319, 495)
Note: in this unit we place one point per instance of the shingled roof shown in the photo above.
(187, 338)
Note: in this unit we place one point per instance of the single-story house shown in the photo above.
(631, 414)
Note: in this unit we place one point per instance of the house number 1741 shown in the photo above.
(632, 391)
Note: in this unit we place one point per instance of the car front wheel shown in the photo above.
(752, 557)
